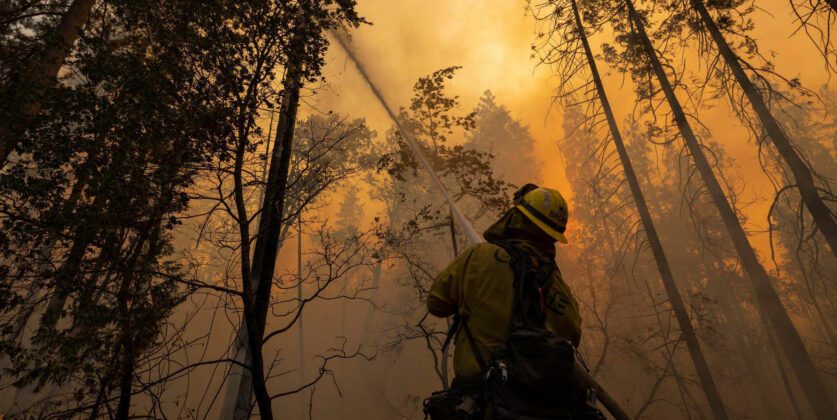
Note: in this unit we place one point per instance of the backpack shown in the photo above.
(529, 376)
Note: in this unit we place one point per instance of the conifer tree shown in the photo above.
(647, 62)
(574, 41)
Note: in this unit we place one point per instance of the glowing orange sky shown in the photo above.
(491, 41)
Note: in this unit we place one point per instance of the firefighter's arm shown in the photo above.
(444, 297)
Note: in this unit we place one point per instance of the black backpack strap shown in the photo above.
(452, 331)
(531, 285)
(474, 349)
(460, 323)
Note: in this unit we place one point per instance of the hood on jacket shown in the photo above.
(516, 229)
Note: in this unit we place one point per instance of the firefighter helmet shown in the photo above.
(545, 207)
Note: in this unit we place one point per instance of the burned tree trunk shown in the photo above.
(676, 301)
(299, 308)
(266, 247)
(127, 355)
(765, 293)
(822, 215)
(29, 87)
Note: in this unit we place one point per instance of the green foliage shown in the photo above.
(100, 180)
(153, 93)
(433, 121)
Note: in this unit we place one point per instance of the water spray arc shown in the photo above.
(463, 223)
(581, 374)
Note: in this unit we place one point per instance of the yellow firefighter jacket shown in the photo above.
(478, 286)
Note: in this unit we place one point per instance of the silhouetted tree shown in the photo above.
(752, 87)
(507, 140)
(24, 87)
(815, 18)
(797, 250)
(86, 252)
(302, 28)
(573, 42)
(643, 59)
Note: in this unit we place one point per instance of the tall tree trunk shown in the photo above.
(766, 295)
(823, 217)
(126, 379)
(676, 301)
(41, 72)
(825, 321)
(150, 245)
(750, 354)
(237, 371)
(789, 388)
(267, 244)
(342, 403)
(126, 354)
(299, 308)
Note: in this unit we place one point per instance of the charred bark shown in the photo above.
(766, 295)
(267, 244)
(126, 378)
(299, 308)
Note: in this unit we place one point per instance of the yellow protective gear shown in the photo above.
(547, 209)
(478, 286)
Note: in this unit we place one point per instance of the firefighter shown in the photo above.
(479, 288)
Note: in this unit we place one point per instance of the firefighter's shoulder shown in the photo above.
(486, 250)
